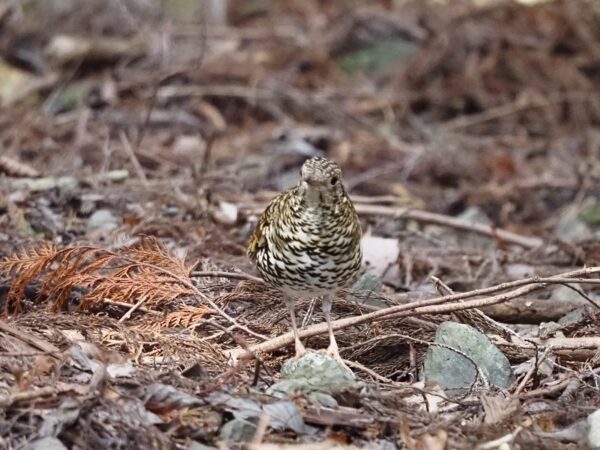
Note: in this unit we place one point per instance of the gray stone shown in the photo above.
(285, 389)
(316, 372)
(519, 270)
(323, 399)
(572, 317)
(47, 443)
(369, 282)
(568, 296)
(170, 211)
(382, 444)
(571, 228)
(237, 430)
(289, 388)
(455, 373)
(195, 445)
(102, 219)
(548, 329)
(474, 214)
(593, 436)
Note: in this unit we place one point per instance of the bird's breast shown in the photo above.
(310, 254)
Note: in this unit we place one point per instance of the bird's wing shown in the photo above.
(258, 239)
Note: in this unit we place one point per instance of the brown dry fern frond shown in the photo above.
(145, 271)
(24, 267)
(152, 252)
(185, 317)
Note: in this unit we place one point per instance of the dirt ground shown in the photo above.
(139, 140)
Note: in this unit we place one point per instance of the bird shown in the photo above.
(306, 243)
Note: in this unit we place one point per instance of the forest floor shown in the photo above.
(139, 145)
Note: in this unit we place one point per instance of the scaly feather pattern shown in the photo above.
(307, 241)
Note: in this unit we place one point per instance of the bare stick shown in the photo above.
(555, 388)
(131, 310)
(440, 219)
(45, 391)
(234, 275)
(437, 305)
(261, 429)
(133, 158)
(369, 372)
(368, 209)
(30, 339)
(531, 371)
(572, 343)
(128, 305)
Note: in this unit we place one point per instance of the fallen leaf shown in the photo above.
(379, 254)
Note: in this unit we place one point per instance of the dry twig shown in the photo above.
(440, 219)
(438, 305)
(368, 209)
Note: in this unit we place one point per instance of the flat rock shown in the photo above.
(47, 443)
(314, 372)
(237, 430)
(571, 228)
(102, 219)
(195, 445)
(455, 373)
(593, 436)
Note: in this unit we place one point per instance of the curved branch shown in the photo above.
(437, 305)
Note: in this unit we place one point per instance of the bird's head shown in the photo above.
(321, 180)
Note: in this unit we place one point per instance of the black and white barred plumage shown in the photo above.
(307, 242)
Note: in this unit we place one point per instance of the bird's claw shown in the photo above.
(300, 350)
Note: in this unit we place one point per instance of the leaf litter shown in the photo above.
(469, 139)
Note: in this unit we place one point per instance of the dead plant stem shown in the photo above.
(437, 305)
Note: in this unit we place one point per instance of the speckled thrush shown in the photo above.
(307, 241)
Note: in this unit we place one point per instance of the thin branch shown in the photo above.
(453, 222)
(368, 209)
(46, 391)
(30, 339)
(133, 158)
(437, 305)
(558, 387)
(131, 310)
(196, 292)
(369, 372)
(531, 371)
(233, 275)
(128, 305)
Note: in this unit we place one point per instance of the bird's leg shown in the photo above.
(300, 350)
(332, 350)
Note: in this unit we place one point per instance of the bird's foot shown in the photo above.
(300, 350)
(333, 352)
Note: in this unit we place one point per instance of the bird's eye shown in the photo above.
(334, 180)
